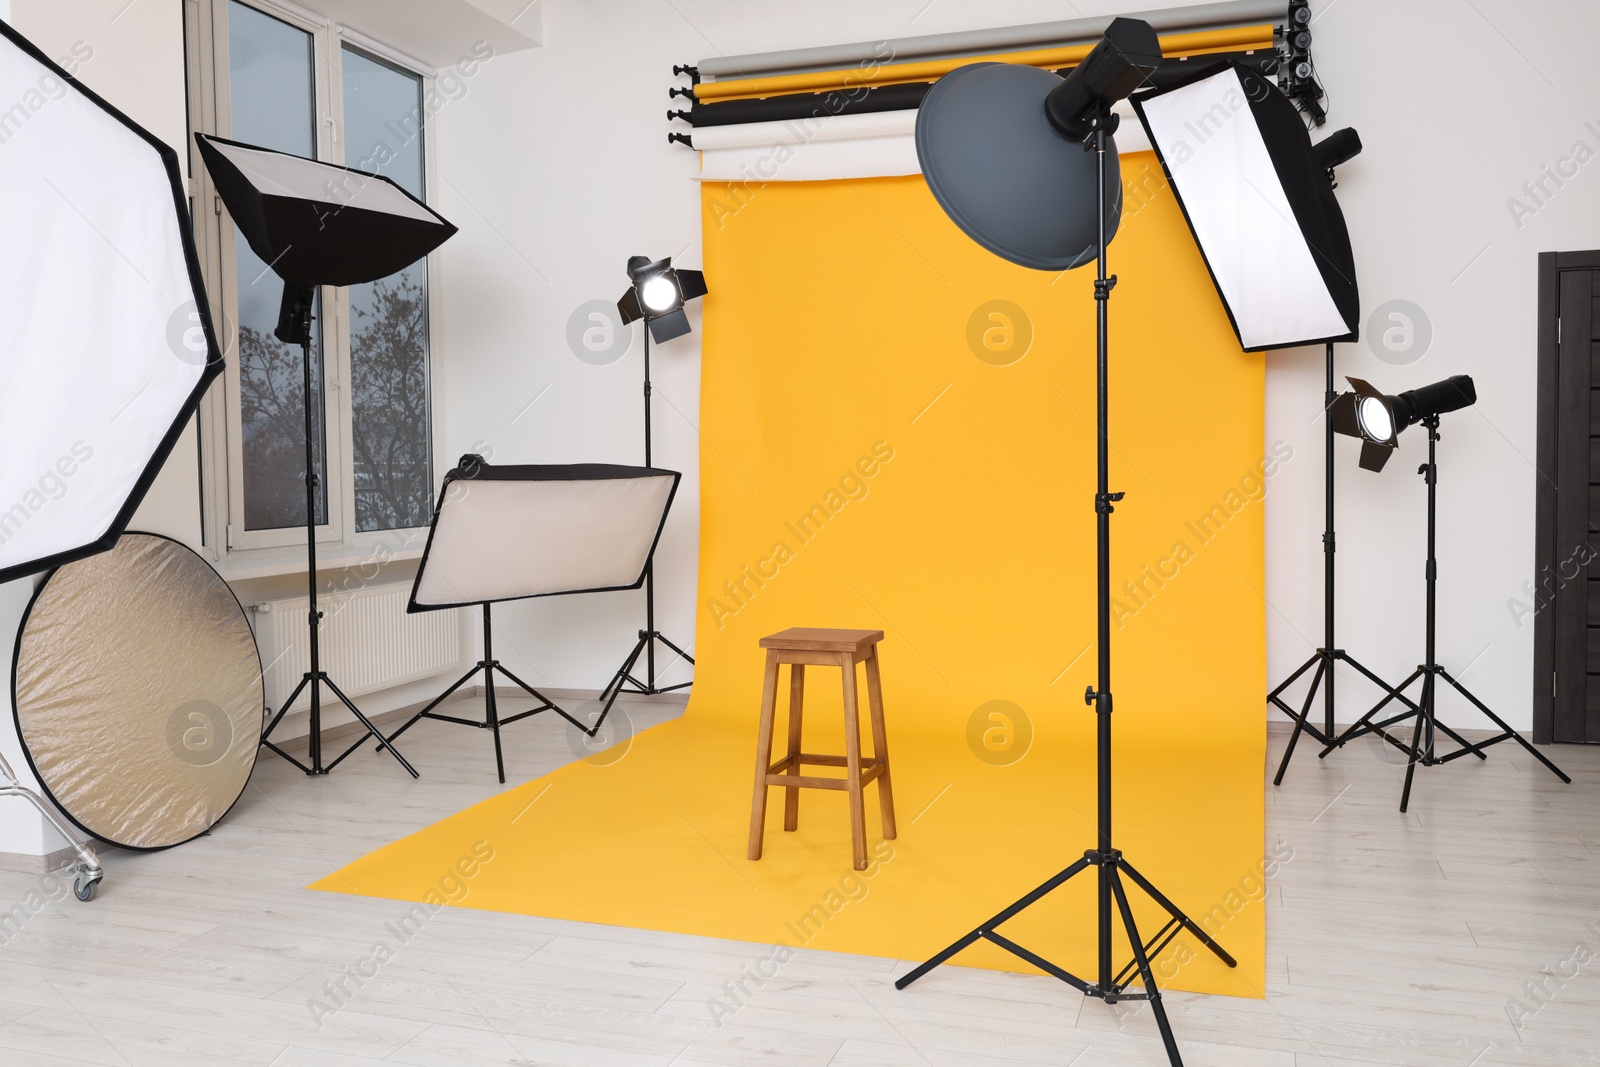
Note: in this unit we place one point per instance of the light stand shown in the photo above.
(1110, 986)
(1422, 748)
(1326, 658)
(491, 720)
(649, 636)
(87, 871)
(294, 327)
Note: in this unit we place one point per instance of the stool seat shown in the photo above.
(813, 639)
(798, 647)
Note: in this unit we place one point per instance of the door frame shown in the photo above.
(1551, 266)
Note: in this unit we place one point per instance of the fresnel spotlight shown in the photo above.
(657, 296)
(1378, 420)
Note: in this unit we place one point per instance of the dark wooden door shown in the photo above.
(1566, 592)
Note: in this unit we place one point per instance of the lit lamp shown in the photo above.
(1378, 419)
(657, 296)
(1003, 150)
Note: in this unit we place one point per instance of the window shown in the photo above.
(266, 73)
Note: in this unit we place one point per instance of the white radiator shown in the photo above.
(368, 642)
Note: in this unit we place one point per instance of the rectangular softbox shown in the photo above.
(515, 531)
(1260, 206)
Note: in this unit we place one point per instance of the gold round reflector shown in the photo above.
(138, 693)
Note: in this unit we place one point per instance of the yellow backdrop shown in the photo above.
(897, 434)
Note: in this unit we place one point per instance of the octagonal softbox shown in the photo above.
(106, 342)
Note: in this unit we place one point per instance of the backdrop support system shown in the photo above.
(294, 327)
(1326, 658)
(1423, 734)
(649, 636)
(1109, 985)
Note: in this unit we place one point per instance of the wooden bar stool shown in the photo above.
(800, 646)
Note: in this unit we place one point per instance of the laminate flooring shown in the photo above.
(1463, 934)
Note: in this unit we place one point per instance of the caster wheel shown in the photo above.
(84, 888)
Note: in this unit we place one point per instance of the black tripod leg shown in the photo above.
(1416, 741)
(273, 725)
(967, 939)
(1394, 692)
(616, 687)
(435, 702)
(1362, 726)
(550, 705)
(1498, 721)
(675, 648)
(1300, 720)
(1151, 992)
(1172, 909)
(372, 731)
(491, 721)
(1273, 696)
(1466, 746)
(288, 757)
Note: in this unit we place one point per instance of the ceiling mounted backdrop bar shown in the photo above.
(980, 42)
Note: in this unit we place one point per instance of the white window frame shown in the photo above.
(247, 553)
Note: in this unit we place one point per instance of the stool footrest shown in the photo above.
(870, 770)
(820, 760)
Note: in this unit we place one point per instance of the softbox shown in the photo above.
(508, 532)
(107, 338)
(1260, 205)
(319, 223)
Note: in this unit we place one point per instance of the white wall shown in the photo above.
(1457, 111)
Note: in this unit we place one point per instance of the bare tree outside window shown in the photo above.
(389, 401)
(393, 449)
(273, 421)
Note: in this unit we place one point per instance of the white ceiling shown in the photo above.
(439, 32)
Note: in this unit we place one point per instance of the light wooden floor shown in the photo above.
(1393, 940)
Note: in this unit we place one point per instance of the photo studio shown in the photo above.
(486, 484)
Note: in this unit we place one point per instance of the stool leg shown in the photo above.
(797, 698)
(758, 805)
(852, 748)
(880, 744)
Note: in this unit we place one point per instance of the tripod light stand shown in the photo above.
(1002, 148)
(318, 224)
(1327, 658)
(657, 296)
(1378, 419)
